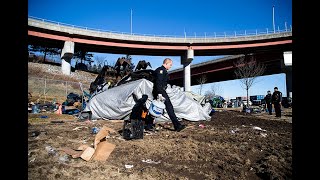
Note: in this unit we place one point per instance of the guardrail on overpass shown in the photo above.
(72, 29)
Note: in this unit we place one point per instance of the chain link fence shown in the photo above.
(45, 90)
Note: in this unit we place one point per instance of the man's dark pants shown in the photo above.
(269, 107)
(169, 109)
(277, 109)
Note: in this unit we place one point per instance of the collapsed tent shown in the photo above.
(117, 102)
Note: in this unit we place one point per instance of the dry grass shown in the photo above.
(47, 86)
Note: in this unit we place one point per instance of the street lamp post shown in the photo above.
(131, 22)
(274, 29)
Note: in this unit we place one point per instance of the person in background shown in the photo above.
(268, 100)
(160, 86)
(276, 100)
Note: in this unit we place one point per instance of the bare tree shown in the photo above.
(201, 81)
(83, 55)
(214, 90)
(248, 69)
(45, 50)
(100, 62)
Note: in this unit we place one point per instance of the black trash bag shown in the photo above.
(133, 129)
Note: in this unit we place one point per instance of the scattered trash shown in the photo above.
(35, 109)
(258, 128)
(256, 110)
(103, 151)
(263, 134)
(71, 152)
(148, 133)
(121, 138)
(95, 130)
(59, 110)
(151, 161)
(51, 151)
(133, 129)
(32, 160)
(104, 131)
(55, 121)
(87, 153)
(78, 128)
(100, 151)
(128, 166)
(212, 112)
(202, 126)
(43, 117)
(234, 130)
(72, 111)
(35, 133)
(63, 159)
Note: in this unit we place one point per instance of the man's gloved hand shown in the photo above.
(161, 98)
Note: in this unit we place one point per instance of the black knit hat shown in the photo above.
(275, 87)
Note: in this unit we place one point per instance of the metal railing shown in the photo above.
(207, 37)
(46, 90)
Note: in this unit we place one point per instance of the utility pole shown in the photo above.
(274, 29)
(131, 22)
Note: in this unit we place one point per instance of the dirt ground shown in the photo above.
(233, 145)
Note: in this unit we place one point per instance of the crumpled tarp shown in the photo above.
(117, 102)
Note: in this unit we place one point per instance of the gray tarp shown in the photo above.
(117, 102)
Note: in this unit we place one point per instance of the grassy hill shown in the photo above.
(46, 83)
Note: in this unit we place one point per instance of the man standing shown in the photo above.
(276, 100)
(268, 100)
(160, 86)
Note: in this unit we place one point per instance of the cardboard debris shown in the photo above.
(103, 151)
(87, 153)
(83, 147)
(73, 153)
(104, 131)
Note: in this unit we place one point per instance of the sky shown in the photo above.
(177, 18)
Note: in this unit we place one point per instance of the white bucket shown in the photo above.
(156, 108)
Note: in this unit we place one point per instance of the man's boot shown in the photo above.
(179, 127)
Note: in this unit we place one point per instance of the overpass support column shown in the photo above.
(186, 61)
(287, 68)
(66, 56)
(289, 82)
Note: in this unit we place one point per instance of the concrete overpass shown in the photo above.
(70, 38)
(222, 69)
